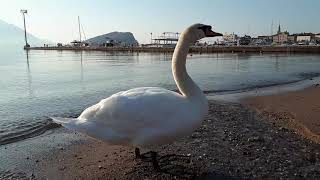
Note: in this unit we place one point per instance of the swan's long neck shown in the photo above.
(184, 82)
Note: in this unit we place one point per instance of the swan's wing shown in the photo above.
(143, 107)
(140, 105)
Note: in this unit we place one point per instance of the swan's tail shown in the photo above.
(70, 123)
(85, 127)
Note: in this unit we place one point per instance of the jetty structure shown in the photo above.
(167, 39)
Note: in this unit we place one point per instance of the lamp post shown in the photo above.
(25, 30)
(79, 30)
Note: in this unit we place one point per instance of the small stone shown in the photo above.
(62, 168)
(204, 145)
(100, 167)
(283, 129)
(188, 154)
(61, 148)
(195, 135)
(311, 157)
(37, 161)
(246, 130)
(255, 139)
(32, 176)
(197, 141)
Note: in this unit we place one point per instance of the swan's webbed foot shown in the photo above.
(153, 156)
(137, 153)
(155, 161)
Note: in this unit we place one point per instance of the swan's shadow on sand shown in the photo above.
(174, 165)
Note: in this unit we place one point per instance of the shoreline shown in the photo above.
(195, 49)
(236, 96)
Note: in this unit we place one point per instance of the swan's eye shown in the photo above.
(205, 28)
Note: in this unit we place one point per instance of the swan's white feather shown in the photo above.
(69, 123)
(138, 117)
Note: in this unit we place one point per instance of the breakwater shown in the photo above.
(195, 49)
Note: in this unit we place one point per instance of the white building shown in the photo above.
(305, 37)
(230, 37)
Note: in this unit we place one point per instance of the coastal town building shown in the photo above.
(280, 37)
(305, 37)
(230, 37)
(264, 40)
(245, 40)
(292, 38)
(317, 38)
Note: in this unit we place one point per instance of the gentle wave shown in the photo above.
(33, 131)
(302, 77)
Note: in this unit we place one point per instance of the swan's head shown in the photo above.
(199, 31)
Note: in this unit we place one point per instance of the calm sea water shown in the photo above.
(40, 84)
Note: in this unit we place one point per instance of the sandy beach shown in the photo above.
(299, 111)
(233, 142)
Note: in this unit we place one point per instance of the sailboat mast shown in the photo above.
(79, 28)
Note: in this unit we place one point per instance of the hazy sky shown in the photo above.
(56, 20)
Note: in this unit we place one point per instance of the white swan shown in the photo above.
(149, 115)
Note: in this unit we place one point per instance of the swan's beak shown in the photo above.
(210, 33)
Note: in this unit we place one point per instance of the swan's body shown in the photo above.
(148, 115)
(140, 117)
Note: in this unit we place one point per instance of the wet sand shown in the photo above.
(299, 111)
(233, 142)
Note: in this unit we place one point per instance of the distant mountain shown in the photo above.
(125, 38)
(11, 35)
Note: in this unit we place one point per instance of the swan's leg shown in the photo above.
(153, 158)
(155, 161)
(137, 153)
